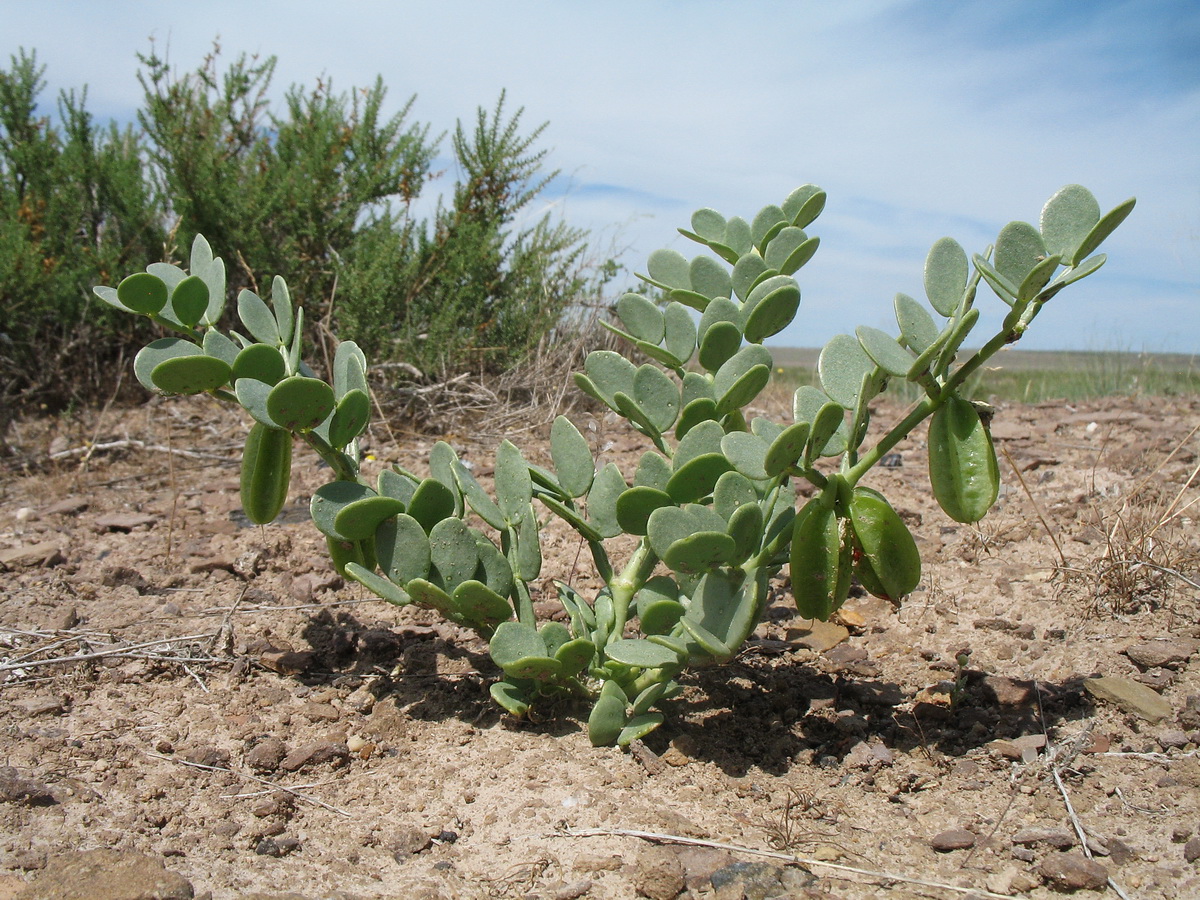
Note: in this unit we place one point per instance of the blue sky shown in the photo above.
(921, 118)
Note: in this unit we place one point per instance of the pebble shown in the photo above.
(16, 788)
(953, 839)
(1073, 872)
(1130, 696)
(819, 636)
(45, 554)
(760, 881)
(266, 755)
(1163, 652)
(1191, 850)
(659, 874)
(316, 753)
(1053, 837)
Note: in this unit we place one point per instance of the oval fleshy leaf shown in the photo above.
(709, 278)
(1067, 218)
(189, 300)
(602, 501)
(1102, 229)
(669, 269)
(143, 293)
(357, 521)
(771, 307)
(157, 352)
(330, 499)
(804, 204)
(748, 272)
(916, 325)
(1019, 248)
(841, 368)
(702, 409)
(572, 457)
(299, 403)
(402, 547)
(261, 362)
(719, 344)
(610, 372)
(641, 317)
(946, 273)
(635, 506)
(514, 488)
(885, 351)
(787, 449)
(696, 478)
(257, 317)
(190, 375)
(350, 418)
(747, 452)
(768, 223)
(679, 329)
(453, 552)
(641, 653)
(478, 603)
(708, 224)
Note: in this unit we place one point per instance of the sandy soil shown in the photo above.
(180, 688)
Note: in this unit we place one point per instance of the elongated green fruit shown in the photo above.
(887, 561)
(266, 472)
(962, 461)
(821, 560)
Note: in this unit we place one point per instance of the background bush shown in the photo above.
(320, 190)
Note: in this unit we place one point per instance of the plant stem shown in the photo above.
(344, 467)
(639, 568)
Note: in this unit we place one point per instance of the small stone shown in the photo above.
(68, 506)
(1120, 852)
(124, 521)
(699, 864)
(408, 841)
(819, 636)
(953, 839)
(1173, 739)
(41, 706)
(1073, 872)
(572, 891)
(45, 554)
(320, 712)
(314, 754)
(268, 847)
(16, 788)
(659, 874)
(1163, 652)
(212, 757)
(266, 755)
(1130, 696)
(1191, 850)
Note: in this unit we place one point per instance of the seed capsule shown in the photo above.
(962, 461)
(266, 472)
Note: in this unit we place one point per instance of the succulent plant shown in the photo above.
(713, 500)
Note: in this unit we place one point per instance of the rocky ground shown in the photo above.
(196, 708)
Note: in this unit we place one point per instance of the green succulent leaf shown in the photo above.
(252, 395)
(768, 223)
(143, 293)
(748, 272)
(299, 403)
(641, 653)
(709, 278)
(157, 352)
(257, 317)
(190, 374)
(771, 307)
(708, 224)
(1101, 230)
(453, 552)
(946, 273)
(350, 418)
(702, 409)
(378, 585)
(696, 478)
(479, 604)
(514, 488)
(704, 438)
(1019, 248)
(719, 344)
(804, 204)
(722, 615)
(657, 396)
(189, 300)
(679, 333)
(261, 362)
(330, 499)
(746, 528)
(281, 303)
(885, 351)
(668, 269)
(349, 370)
(641, 318)
(823, 436)
(733, 490)
(917, 327)
(608, 717)
(635, 506)
(512, 698)
(1067, 218)
(610, 372)
(396, 485)
(402, 547)
(787, 449)
(358, 520)
(602, 501)
(572, 457)
(474, 494)
(747, 452)
(653, 470)
(430, 503)
(841, 368)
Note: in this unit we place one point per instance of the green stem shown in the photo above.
(344, 467)
(623, 586)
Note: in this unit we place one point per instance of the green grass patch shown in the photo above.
(1032, 376)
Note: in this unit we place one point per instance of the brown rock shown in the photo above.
(1191, 850)
(1163, 652)
(124, 521)
(953, 839)
(819, 636)
(16, 788)
(213, 757)
(659, 874)
(45, 554)
(107, 875)
(1073, 872)
(316, 753)
(1130, 696)
(1009, 691)
(68, 506)
(267, 755)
